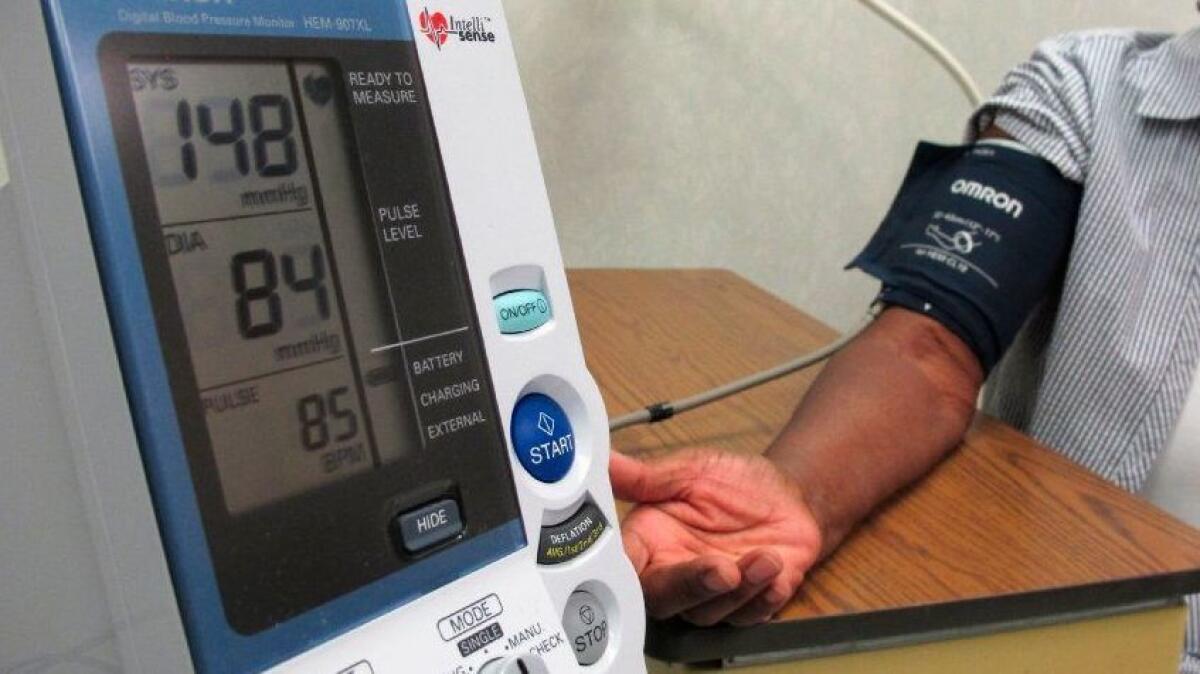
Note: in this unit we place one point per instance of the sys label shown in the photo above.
(469, 617)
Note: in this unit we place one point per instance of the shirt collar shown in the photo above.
(1171, 79)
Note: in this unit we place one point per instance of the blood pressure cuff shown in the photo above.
(975, 238)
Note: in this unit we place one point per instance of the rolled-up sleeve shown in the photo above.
(1046, 104)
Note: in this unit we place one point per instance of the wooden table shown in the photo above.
(1003, 535)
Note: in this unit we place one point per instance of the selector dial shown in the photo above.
(516, 664)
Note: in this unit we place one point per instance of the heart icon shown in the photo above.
(319, 88)
(435, 27)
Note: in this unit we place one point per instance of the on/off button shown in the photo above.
(520, 311)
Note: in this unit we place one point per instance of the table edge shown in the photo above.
(680, 642)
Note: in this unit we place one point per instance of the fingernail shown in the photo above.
(715, 581)
(762, 570)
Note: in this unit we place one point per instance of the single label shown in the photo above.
(469, 617)
(480, 639)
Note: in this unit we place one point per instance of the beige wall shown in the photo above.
(766, 136)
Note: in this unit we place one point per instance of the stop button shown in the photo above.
(542, 437)
(586, 623)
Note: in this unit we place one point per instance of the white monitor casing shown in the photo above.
(79, 538)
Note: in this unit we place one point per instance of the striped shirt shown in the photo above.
(1102, 368)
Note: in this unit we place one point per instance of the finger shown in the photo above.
(646, 481)
(672, 589)
(763, 607)
(623, 473)
(759, 570)
(635, 548)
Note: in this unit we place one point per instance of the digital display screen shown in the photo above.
(282, 301)
(313, 317)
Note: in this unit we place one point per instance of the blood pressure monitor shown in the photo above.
(294, 286)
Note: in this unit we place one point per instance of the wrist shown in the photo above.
(814, 498)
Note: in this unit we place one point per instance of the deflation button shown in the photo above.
(567, 540)
(542, 437)
(521, 311)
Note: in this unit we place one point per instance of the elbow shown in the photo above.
(950, 371)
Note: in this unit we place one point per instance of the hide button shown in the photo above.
(428, 525)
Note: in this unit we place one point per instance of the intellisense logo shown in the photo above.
(438, 28)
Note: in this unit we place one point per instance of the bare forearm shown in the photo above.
(881, 413)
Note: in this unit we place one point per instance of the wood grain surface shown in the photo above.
(1000, 516)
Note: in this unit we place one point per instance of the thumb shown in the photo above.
(646, 481)
(636, 549)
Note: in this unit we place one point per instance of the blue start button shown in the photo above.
(542, 437)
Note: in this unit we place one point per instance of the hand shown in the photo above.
(716, 536)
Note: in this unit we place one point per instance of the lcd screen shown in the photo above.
(313, 320)
(276, 273)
